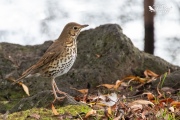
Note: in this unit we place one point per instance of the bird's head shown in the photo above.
(73, 29)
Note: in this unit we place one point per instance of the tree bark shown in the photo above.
(149, 27)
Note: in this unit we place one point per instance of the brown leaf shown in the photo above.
(175, 103)
(98, 56)
(83, 91)
(108, 86)
(148, 73)
(91, 112)
(54, 110)
(108, 112)
(142, 102)
(150, 96)
(111, 86)
(143, 114)
(130, 78)
(25, 88)
(136, 78)
(136, 107)
(118, 83)
(164, 102)
(142, 80)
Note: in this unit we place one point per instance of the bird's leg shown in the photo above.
(56, 89)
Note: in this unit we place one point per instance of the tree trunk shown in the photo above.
(149, 27)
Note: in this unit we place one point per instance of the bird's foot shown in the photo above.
(62, 93)
(59, 98)
(57, 91)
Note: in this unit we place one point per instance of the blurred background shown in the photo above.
(152, 25)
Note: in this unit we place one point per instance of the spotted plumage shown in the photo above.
(59, 57)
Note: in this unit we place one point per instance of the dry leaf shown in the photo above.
(25, 88)
(136, 78)
(91, 112)
(148, 73)
(171, 109)
(167, 100)
(106, 100)
(54, 110)
(118, 83)
(108, 112)
(150, 96)
(175, 103)
(143, 114)
(111, 86)
(142, 102)
(136, 107)
(83, 91)
(98, 56)
(108, 86)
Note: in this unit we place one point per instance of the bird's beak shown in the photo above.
(83, 26)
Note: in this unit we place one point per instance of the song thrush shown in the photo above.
(59, 57)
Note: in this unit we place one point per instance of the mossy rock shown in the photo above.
(47, 114)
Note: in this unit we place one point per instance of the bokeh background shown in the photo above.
(30, 22)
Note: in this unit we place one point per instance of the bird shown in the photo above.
(58, 58)
(151, 9)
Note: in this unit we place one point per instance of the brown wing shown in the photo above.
(51, 53)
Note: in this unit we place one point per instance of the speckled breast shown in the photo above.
(63, 64)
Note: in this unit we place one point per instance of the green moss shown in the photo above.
(74, 109)
(13, 96)
(46, 114)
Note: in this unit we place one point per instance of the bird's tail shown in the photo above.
(25, 74)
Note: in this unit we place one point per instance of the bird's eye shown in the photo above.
(75, 28)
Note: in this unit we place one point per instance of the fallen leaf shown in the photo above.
(118, 83)
(106, 100)
(175, 103)
(150, 96)
(148, 73)
(98, 56)
(171, 109)
(83, 91)
(91, 112)
(54, 110)
(136, 107)
(136, 78)
(25, 88)
(142, 102)
(111, 86)
(108, 86)
(108, 112)
(143, 114)
(167, 100)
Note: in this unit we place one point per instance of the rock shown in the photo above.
(41, 99)
(172, 80)
(105, 54)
